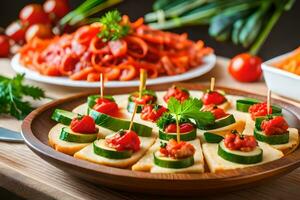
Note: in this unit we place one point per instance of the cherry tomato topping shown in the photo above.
(152, 112)
(4, 46)
(218, 113)
(245, 68)
(178, 150)
(176, 92)
(124, 140)
(275, 126)
(56, 9)
(33, 14)
(16, 31)
(105, 106)
(213, 97)
(259, 110)
(85, 124)
(183, 128)
(234, 141)
(146, 99)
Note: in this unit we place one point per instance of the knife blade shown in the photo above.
(10, 136)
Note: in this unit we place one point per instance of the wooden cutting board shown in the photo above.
(24, 173)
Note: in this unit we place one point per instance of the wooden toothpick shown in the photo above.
(143, 77)
(269, 101)
(177, 129)
(101, 86)
(212, 83)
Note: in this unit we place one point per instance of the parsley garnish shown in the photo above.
(190, 109)
(12, 93)
(112, 29)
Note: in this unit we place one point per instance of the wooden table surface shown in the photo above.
(25, 174)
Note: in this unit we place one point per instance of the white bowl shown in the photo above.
(280, 81)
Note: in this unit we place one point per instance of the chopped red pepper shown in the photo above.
(106, 106)
(183, 128)
(275, 126)
(213, 97)
(178, 93)
(235, 141)
(85, 124)
(259, 110)
(178, 150)
(124, 140)
(152, 112)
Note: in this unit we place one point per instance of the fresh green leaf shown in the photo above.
(12, 92)
(112, 29)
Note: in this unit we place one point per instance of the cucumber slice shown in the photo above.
(91, 100)
(131, 105)
(63, 116)
(116, 124)
(101, 149)
(271, 139)
(168, 162)
(212, 137)
(219, 123)
(188, 136)
(68, 135)
(244, 104)
(240, 157)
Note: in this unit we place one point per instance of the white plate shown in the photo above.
(279, 81)
(208, 63)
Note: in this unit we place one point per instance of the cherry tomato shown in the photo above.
(56, 9)
(176, 149)
(234, 141)
(183, 128)
(4, 46)
(213, 97)
(106, 106)
(42, 31)
(146, 99)
(85, 124)
(16, 31)
(152, 113)
(259, 110)
(275, 126)
(178, 93)
(118, 47)
(33, 14)
(124, 140)
(245, 68)
(218, 113)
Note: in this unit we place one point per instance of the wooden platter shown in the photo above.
(36, 126)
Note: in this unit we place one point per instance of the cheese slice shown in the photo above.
(218, 164)
(147, 162)
(81, 109)
(88, 154)
(238, 125)
(63, 146)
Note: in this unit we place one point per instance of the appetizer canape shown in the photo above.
(238, 151)
(148, 97)
(179, 93)
(275, 131)
(152, 112)
(70, 139)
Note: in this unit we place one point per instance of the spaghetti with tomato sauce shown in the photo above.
(83, 55)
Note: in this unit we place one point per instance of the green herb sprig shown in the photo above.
(112, 29)
(12, 93)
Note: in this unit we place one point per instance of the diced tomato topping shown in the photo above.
(124, 140)
(85, 124)
(213, 97)
(275, 126)
(217, 112)
(235, 141)
(106, 106)
(259, 110)
(152, 112)
(146, 99)
(178, 150)
(176, 92)
(183, 128)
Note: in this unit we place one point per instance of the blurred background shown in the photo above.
(283, 38)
